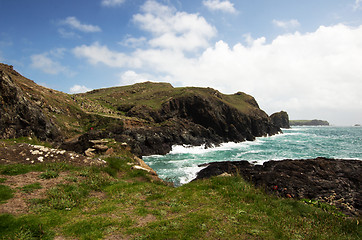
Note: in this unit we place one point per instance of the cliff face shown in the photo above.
(280, 119)
(19, 116)
(197, 119)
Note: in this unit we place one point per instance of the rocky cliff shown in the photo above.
(280, 119)
(19, 116)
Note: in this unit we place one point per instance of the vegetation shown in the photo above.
(121, 99)
(117, 202)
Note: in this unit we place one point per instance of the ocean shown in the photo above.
(181, 164)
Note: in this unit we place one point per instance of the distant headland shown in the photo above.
(314, 122)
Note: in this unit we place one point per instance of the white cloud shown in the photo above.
(172, 29)
(44, 63)
(74, 23)
(79, 89)
(131, 77)
(133, 42)
(112, 3)
(291, 24)
(97, 53)
(217, 5)
(47, 63)
(67, 34)
(357, 5)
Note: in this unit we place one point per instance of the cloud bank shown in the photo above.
(314, 74)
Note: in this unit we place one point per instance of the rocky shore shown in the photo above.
(335, 181)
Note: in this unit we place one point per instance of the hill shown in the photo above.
(149, 117)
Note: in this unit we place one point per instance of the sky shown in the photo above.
(303, 57)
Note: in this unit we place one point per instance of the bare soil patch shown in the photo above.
(19, 204)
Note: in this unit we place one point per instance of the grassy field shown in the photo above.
(116, 202)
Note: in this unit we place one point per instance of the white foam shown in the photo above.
(185, 149)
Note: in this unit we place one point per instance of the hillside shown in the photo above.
(149, 117)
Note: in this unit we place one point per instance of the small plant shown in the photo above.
(65, 196)
(97, 180)
(49, 174)
(5, 193)
(31, 187)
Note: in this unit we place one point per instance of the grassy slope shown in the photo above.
(116, 201)
(154, 95)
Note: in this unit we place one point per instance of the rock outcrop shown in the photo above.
(280, 119)
(20, 116)
(335, 181)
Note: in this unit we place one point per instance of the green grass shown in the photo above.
(6, 193)
(115, 201)
(31, 187)
(48, 174)
(17, 169)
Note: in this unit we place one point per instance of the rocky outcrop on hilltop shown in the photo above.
(280, 119)
(19, 116)
(335, 181)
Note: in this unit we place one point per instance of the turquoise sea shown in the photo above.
(181, 164)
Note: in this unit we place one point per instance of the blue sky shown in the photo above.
(304, 57)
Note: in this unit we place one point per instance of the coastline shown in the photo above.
(334, 181)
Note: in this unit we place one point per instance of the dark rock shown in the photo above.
(335, 181)
(20, 116)
(280, 119)
(196, 120)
